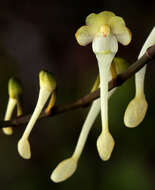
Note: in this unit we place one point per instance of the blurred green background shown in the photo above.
(37, 35)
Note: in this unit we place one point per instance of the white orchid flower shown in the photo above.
(104, 30)
(66, 168)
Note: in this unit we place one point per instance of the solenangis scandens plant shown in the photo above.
(15, 92)
(137, 107)
(104, 30)
(47, 87)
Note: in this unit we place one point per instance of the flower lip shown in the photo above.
(105, 45)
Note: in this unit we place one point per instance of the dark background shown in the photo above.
(37, 35)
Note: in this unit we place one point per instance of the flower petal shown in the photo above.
(103, 17)
(90, 19)
(117, 25)
(95, 21)
(106, 16)
(125, 37)
(83, 36)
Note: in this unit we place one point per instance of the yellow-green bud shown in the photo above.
(47, 80)
(120, 64)
(14, 88)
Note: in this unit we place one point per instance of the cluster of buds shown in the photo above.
(104, 30)
(47, 89)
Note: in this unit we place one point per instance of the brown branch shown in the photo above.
(87, 99)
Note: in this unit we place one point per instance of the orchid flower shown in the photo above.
(47, 87)
(15, 91)
(104, 30)
(137, 107)
(66, 168)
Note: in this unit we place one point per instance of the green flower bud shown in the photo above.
(14, 88)
(47, 80)
(120, 64)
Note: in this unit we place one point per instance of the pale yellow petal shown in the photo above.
(90, 19)
(95, 21)
(117, 25)
(103, 17)
(106, 16)
(125, 37)
(83, 36)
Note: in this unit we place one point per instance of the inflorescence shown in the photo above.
(104, 30)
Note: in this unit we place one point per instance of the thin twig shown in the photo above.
(87, 99)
